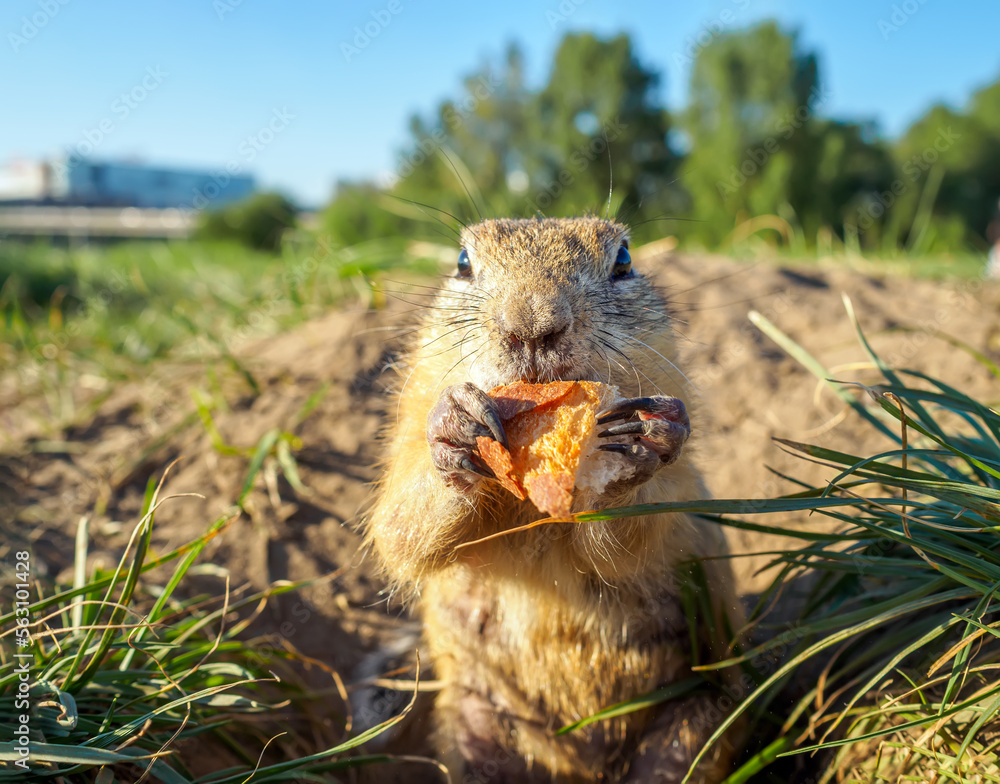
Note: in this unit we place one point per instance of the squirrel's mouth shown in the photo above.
(539, 376)
(546, 375)
(505, 367)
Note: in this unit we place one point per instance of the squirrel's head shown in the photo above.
(546, 299)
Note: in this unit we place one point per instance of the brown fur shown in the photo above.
(534, 630)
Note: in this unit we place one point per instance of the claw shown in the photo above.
(669, 408)
(479, 429)
(625, 429)
(462, 414)
(495, 426)
(476, 468)
(662, 427)
(622, 449)
(641, 456)
(625, 408)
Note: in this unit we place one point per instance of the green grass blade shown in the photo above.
(759, 761)
(263, 449)
(869, 624)
(672, 691)
(813, 365)
(954, 709)
(927, 420)
(131, 580)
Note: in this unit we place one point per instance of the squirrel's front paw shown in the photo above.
(660, 426)
(462, 413)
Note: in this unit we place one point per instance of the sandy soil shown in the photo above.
(749, 391)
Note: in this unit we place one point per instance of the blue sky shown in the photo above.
(189, 82)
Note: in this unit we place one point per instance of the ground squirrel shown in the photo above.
(534, 630)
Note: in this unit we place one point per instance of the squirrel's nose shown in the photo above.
(532, 344)
(532, 324)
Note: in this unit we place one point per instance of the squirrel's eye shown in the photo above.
(623, 264)
(464, 265)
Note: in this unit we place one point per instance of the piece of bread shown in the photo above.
(552, 432)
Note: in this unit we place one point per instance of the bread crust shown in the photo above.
(552, 436)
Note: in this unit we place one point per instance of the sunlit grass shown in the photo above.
(131, 667)
(779, 239)
(893, 662)
(75, 322)
(127, 665)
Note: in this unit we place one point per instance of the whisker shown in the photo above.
(468, 193)
(430, 303)
(680, 372)
(450, 370)
(628, 359)
(433, 292)
(455, 218)
(720, 278)
(649, 355)
(440, 337)
(603, 355)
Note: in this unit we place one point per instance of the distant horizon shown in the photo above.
(187, 87)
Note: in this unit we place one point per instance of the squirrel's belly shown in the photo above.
(559, 652)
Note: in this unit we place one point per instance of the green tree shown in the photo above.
(469, 150)
(259, 221)
(358, 213)
(752, 103)
(519, 152)
(846, 172)
(949, 166)
(599, 121)
(760, 145)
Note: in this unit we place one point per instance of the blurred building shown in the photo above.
(76, 182)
